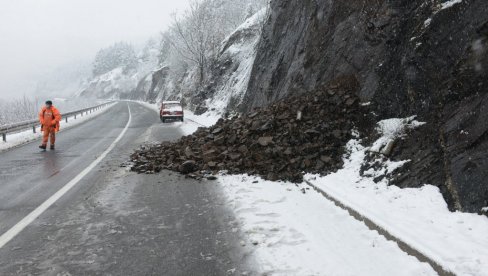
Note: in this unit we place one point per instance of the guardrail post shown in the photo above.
(4, 137)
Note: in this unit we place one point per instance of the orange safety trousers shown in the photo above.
(49, 132)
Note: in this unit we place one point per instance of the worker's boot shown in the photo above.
(52, 147)
(42, 147)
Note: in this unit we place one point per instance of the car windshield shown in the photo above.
(172, 106)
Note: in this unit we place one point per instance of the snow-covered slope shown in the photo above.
(112, 85)
(123, 82)
(231, 75)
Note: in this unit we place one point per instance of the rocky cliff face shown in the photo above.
(230, 75)
(418, 57)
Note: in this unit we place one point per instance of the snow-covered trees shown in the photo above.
(193, 36)
(18, 110)
(118, 55)
(196, 35)
(150, 51)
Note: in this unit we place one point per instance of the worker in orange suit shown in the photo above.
(49, 118)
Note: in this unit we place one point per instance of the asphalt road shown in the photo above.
(113, 222)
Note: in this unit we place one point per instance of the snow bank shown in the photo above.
(207, 119)
(20, 138)
(295, 231)
(419, 217)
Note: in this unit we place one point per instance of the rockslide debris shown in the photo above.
(302, 134)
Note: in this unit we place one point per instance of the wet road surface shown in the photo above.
(113, 222)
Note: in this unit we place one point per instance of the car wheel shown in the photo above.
(162, 119)
(182, 119)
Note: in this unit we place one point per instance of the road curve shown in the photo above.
(113, 222)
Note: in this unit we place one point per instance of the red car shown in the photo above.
(171, 110)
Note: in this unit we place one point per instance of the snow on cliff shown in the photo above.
(111, 84)
(236, 61)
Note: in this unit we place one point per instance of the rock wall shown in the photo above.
(229, 76)
(417, 57)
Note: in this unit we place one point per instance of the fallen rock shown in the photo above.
(265, 141)
(271, 142)
(188, 167)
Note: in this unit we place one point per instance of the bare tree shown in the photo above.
(191, 45)
(18, 110)
(192, 35)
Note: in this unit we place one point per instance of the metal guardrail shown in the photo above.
(16, 127)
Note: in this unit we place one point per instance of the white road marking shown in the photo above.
(21, 225)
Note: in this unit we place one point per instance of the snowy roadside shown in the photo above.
(292, 232)
(23, 137)
(419, 217)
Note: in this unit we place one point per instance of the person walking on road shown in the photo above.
(49, 118)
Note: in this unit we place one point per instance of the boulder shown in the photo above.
(188, 167)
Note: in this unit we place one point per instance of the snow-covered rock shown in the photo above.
(111, 85)
(231, 76)
(125, 82)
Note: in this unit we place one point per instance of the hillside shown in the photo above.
(424, 58)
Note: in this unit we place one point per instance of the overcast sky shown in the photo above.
(37, 36)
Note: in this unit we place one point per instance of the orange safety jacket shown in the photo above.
(50, 117)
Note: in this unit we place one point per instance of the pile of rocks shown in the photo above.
(303, 134)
